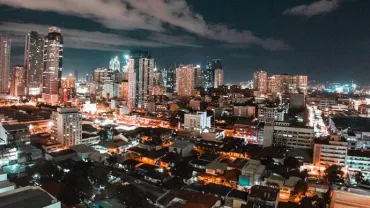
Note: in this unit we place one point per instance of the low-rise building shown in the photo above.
(245, 111)
(251, 173)
(213, 134)
(351, 197)
(216, 168)
(327, 153)
(358, 161)
(197, 122)
(14, 133)
(182, 147)
(263, 196)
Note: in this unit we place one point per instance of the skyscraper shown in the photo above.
(5, 45)
(169, 79)
(66, 126)
(76, 74)
(198, 75)
(260, 81)
(185, 80)
(18, 81)
(219, 77)
(53, 59)
(33, 62)
(114, 64)
(210, 73)
(140, 78)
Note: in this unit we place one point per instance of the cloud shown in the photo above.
(151, 15)
(91, 40)
(180, 40)
(316, 8)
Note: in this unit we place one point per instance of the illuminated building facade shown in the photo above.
(210, 73)
(260, 81)
(140, 78)
(185, 80)
(100, 74)
(18, 81)
(53, 65)
(219, 77)
(68, 89)
(66, 126)
(114, 64)
(33, 62)
(198, 76)
(5, 45)
(329, 153)
(283, 83)
(169, 79)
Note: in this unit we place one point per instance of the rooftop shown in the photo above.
(354, 122)
(30, 197)
(181, 144)
(15, 127)
(83, 148)
(359, 153)
(262, 192)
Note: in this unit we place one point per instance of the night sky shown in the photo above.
(326, 40)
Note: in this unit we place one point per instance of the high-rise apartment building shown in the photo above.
(33, 62)
(185, 80)
(219, 78)
(140, 78)
(210, 73)
(53, 65)
(66, 126)
(260, 81)
(18, 81)
(283, 83)
(198, 76)
(5, 45)
(68, 89)
(100, 74)
(169, 79)
(76, 74)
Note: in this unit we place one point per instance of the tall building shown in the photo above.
(5, 45)
(284, 83)
(114, 64)
(33, 62)
(260, 81)
(185, 80)
(219, 77)
(76, 74)
(100, 74)
(210, 73)
(66, 126)
(169, 79)
(302, 82)
(53, 65)
(140, 78)
(198, 81)
(18, 81)
(68, 89)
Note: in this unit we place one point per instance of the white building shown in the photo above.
(67, 126)
(182, 147)
(197, 122)
(329, 153)
(358, 161)
(253, 171)
(290, 136)
(271, 114)
(185, 80)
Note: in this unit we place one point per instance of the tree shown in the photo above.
(268, 162)
(300, 188)
(98, 175)
(359, 177)
(291, 163)
(46, 170)
(131, 196)
(333, 173)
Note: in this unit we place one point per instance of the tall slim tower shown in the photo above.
(198, 75)
(219, 77)
(18, 81)
(33, 62)
(210, 73)
(140, 78)
(53, 65)
(114, 64)
(185, 80)
(260, 81)
(5, 45)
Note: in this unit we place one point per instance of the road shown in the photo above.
(316, 121)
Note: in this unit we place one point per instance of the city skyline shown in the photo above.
(294, 37)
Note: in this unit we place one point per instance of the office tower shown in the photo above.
(68, 89)
(76, 74)
(87, 78)
(124, 89)
(66, 126)
(157, 78)
(140, 78)
(169, 79)
(100, 74)
(209, 73)
(114, 64)
(33, 62)
(18, 81)
(185, 80)
(5, 45)
(53, 65)
(198, 81)
(302, 82)
(260, 81)
(219, 77)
